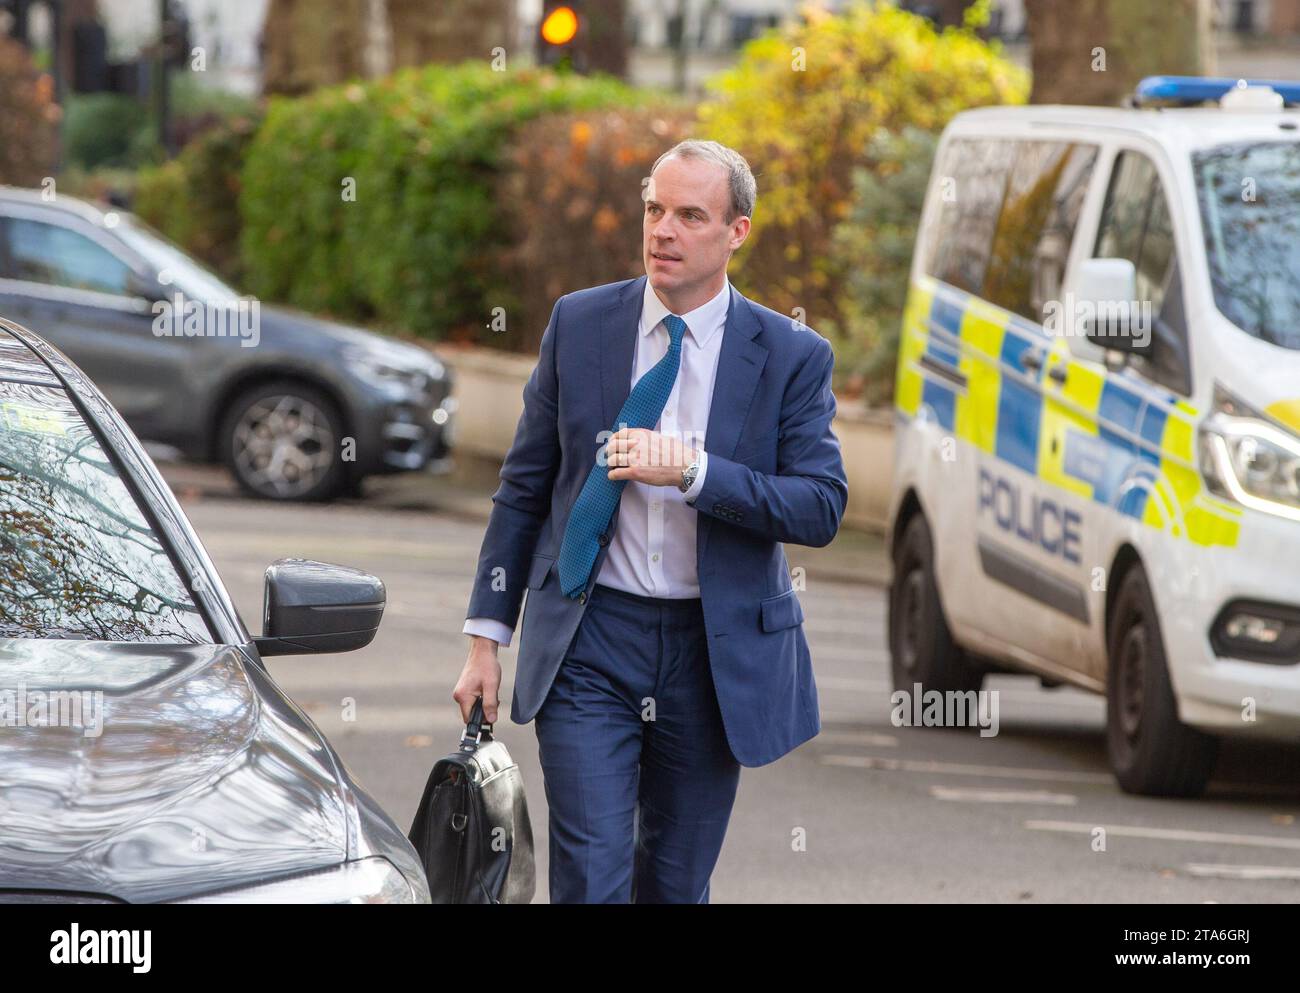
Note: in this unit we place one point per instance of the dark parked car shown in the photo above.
(146, 755)
(297, 407)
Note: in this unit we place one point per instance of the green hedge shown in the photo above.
(424, 147)
(872, 248)
(194, 198)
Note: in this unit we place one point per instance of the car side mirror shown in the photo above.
(146, 289)
(312, 607)
(1113, 318)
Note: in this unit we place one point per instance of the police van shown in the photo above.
(1097, 469)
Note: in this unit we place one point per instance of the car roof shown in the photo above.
(68, 204)
(29, 358)
(1183, 128)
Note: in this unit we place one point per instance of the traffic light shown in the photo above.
(559, 35)
(175, 39)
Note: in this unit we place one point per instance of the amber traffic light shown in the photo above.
(559, 37)
(560, 26)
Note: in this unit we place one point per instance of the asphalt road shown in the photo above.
(866, 811)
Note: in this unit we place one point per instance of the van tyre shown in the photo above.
(282, 440)
(921, 647)
(1151, 751)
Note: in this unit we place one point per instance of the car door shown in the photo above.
(70, 284)
(949, 368)
(1017, 206)
(1122, 432)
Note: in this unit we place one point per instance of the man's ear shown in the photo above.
(740, 229)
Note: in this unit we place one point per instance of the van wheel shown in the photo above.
(1151, 751)
(921, 648)
(281, 440)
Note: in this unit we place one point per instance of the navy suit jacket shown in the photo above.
(775, 475)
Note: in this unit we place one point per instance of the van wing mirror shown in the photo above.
(1107, 306)
(313, 607)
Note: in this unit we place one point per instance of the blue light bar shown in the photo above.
(1191, 90)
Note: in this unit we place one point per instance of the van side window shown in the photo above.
(1136, 225)
(972, 180)
(1035, 229)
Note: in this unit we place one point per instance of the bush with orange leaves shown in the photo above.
(28, 118)
(573, 192)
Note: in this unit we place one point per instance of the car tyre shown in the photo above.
(282, 440)
(921, 646)
(1151, 751)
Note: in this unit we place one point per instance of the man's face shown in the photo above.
(687, 240)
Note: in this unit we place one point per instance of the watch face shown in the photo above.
(688, 476)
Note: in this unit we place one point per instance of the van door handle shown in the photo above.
(1032, 358)
(1059, 373)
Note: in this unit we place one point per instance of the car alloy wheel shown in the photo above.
(283, 446)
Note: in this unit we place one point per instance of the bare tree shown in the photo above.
(1094, 51)
(605, 43)
(311, 43)
(426, 31)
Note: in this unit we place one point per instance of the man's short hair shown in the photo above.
(744, 191)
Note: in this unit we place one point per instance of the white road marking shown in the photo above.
(1244, 871)
(859, 738)
(1039, 697)
(1168, 834)
(381, 718)
(1003, 796)
(960, 769)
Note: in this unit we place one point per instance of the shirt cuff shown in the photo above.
(488, 628)
(698, 485)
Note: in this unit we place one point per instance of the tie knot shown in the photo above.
(676, 328)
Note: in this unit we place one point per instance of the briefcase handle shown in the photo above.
(476, 728)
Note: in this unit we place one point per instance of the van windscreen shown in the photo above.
(1249, 198)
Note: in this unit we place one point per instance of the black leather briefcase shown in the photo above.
(472, 829)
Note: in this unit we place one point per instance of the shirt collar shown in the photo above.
(702, 323)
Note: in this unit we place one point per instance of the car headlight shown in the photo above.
(369, 880)
(1249, 458)
(385, 369)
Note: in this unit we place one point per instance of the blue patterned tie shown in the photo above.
(600, 494)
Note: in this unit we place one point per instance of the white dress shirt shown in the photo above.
(652, 552)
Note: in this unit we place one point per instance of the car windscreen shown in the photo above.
(78, 558)
(1249, 197)
(172, 264)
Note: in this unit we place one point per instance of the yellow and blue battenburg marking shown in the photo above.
(981, 372)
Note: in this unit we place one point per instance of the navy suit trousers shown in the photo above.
(640, 780)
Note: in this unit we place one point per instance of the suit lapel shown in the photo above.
(740, 363)
(618, 330)
(739, 366)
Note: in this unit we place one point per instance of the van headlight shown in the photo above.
(1249, 458)
(369, 880)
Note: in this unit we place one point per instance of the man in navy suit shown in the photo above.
(674, 435)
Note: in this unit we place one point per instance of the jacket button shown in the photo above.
(582, 597)
(603, 540)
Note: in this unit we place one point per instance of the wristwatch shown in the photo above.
(688, 476)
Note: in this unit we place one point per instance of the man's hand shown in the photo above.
(647, 457)
(480, 677)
